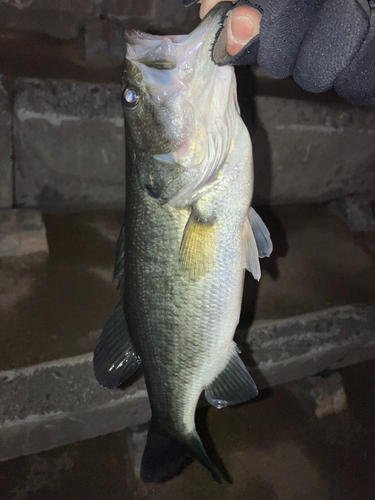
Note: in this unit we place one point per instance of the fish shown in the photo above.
(189, 234)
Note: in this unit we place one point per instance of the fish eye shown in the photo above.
(130, 97)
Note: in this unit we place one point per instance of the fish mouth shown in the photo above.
(148, 48)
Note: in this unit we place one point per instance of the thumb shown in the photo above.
(242, 25)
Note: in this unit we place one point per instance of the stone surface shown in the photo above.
(59, 18)
(155, 16)
(356, 212)
(104, 43)
(6, 188)
(69, 144)
(323, 394)
(308, 151)
(68, 18)
(287, 349)
(329, 395)
(22, 232)
(55, 403)
(60, 402)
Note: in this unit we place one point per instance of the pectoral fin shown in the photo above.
(198, 247)
(115, 359)
(233, 385)
(256, 242)
(261, 234)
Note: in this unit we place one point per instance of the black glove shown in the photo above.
(322, 43)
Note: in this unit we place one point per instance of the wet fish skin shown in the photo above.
(187, 241)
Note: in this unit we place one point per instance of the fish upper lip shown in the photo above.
(220, 10)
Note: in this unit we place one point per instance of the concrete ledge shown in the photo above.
(297, 347)
(69, 147)
(60, 402)
(312, 152)
(69, 144)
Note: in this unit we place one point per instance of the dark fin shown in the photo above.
(233, 385)
(119, 262)
(114, 357)
(165, 457)
(198, 248)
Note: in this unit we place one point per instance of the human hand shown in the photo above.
(321, 43)
(242, 24)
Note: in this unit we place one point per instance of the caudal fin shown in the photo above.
(165, 457)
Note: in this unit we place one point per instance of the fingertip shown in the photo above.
(242, 25)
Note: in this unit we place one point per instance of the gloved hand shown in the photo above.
(322, 43)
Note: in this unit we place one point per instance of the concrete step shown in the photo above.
(272, 448)
(60, 402)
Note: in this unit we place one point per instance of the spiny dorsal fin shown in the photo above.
(119, 261)
(114, 357)
(233, 385)
(198, 247)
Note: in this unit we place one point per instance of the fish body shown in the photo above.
(187, 239)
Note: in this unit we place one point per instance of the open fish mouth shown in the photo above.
(195, 100)
(167, 51)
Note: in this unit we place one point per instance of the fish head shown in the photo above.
(176, 99)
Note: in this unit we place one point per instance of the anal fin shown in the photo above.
(233, 385)
(115, 359)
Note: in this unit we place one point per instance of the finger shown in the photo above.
(207, 5)
(242, 25)
(356, 83)
(284, 26)
(330, 44)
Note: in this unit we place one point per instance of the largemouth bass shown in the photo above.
(188, 236)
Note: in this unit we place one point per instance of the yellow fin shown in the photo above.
(198, 248)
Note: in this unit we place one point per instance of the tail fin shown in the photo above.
(165, 456)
